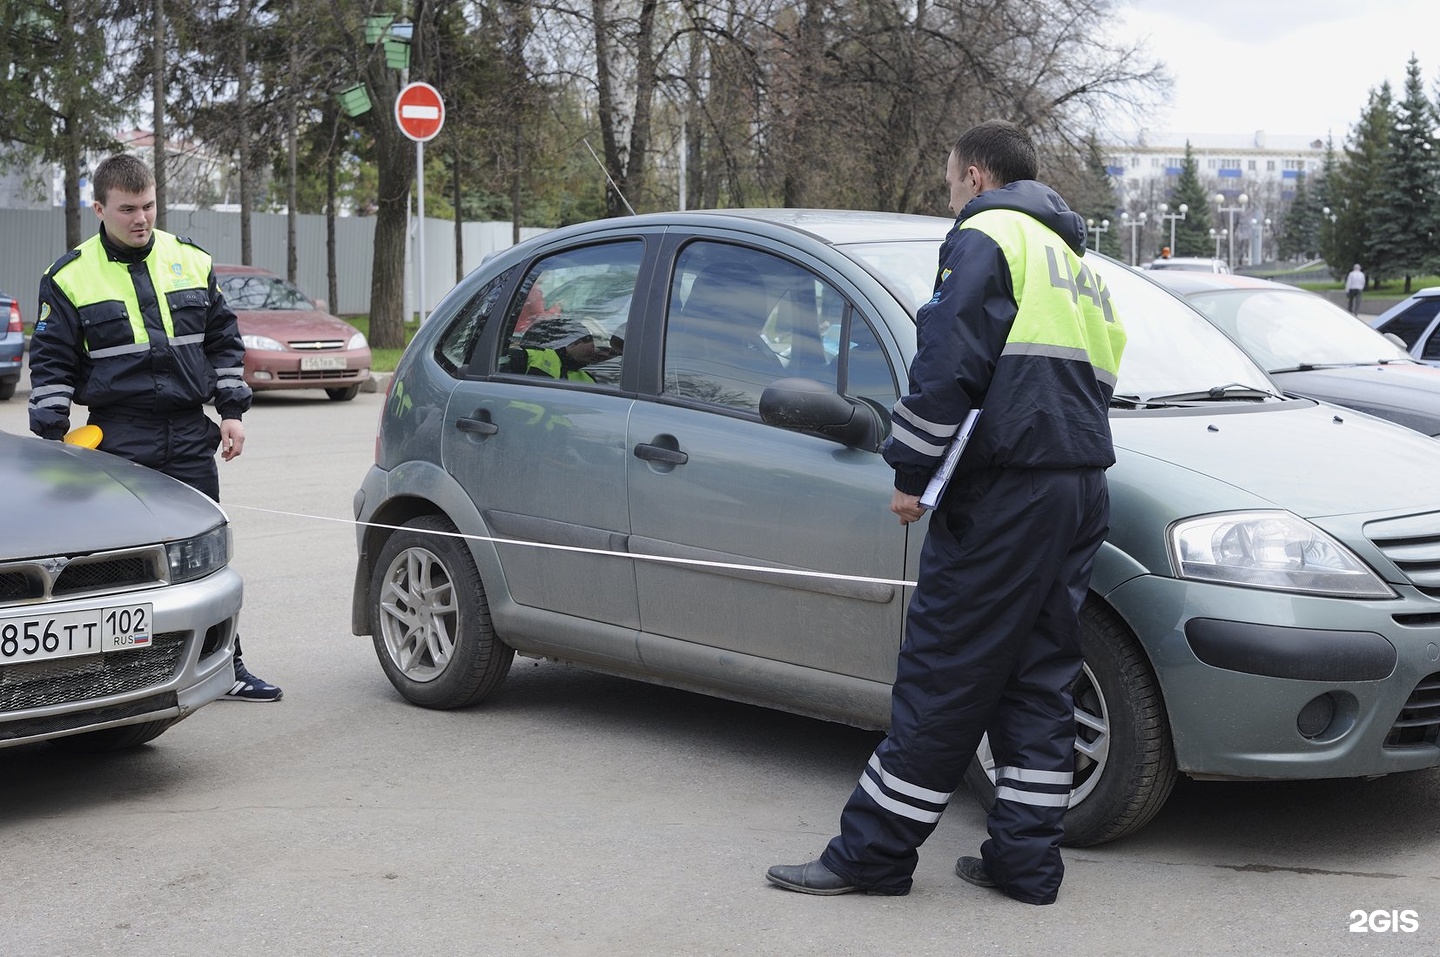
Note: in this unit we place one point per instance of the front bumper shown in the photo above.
(1266, 685)
(188, 665)
(283, 370)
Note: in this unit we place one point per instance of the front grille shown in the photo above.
(121, 572)
(38, 684)
(33, 727)
(1419, 721)
(1413, 544)
(326, 374)
(21, 584)
(43, 579)
(317, 345)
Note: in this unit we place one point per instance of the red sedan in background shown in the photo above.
(291, 341)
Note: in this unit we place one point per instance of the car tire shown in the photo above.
(115, 739)
(7, 388)
(430, 620)
(1124, 756)
(344, 393)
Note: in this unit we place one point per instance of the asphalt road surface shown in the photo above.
(581, 814)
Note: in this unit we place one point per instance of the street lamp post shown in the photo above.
(1166, 214)
(1240, 202)
(1217, 236)
(1135, 224)
(1104, 227)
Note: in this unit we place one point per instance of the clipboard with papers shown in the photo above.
(931, 496)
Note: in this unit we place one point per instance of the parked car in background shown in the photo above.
(1311, 347)
(1190, 264)
(1416, 322)
(118, 607)
(291, 341)
(12, 345)
(713, 514)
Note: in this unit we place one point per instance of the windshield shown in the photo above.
(1286, 329)
(1170, 348)
(256, 292)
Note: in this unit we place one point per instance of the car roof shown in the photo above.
(832, 226)
(234, 269)
(1186, 283)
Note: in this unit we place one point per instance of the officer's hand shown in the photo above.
(907, 507)
(232, 438)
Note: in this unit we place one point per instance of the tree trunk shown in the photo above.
(292, 148)
(242, 103)
(459, 213)
(157, 89)
(332, 190)
(395, 164)
(72, 186)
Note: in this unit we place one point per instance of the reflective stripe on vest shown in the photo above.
(173, 266)
(1064, 310)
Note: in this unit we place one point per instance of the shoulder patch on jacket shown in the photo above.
(63, 261)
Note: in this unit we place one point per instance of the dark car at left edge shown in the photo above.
(12, 345)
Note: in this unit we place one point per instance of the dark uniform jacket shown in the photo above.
(139, 332)
(1020, 328)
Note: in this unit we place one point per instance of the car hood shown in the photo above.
(1402, 392)
(1315, 460)
(296, 325)
(76, 500)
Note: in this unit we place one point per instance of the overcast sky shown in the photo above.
(1303, 67)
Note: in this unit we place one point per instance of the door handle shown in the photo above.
(477, 424)
(658, 453)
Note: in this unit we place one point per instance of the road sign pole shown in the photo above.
(420, 230)
(420, 113)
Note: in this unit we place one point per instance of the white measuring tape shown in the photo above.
(637, 556)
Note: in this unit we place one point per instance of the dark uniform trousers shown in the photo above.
(182, 445)
(992, 643)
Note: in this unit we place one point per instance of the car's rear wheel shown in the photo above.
(115, 739)
(1124, 758)
(7, 387)
(344, 393)
(431, 621)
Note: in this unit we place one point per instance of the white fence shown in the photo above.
(31, 239)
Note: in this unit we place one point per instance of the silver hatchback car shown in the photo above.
(700, 503)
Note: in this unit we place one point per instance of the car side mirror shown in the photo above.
(322, 305)
(1398, 341)
(804, 405)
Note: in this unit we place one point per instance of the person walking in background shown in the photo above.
(1020, 326)
(1354, 286)
(132, 325)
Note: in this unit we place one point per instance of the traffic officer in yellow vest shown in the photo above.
(133, 326)
(1021, 329)
(566, 356)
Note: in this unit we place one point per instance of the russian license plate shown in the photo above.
(321, 363)
(37, 637)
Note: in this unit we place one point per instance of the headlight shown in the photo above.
(1270, 550)
(264, 343)
(199, 556)
(357, 341)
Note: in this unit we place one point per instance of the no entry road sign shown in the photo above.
(420, 111)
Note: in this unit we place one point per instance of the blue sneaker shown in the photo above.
(247, 687)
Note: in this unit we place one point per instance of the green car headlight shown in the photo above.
(1276, 550)
(199, 556)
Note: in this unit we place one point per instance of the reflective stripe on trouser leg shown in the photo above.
(989, 560)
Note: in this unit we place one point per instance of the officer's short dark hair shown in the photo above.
(1000, 148)
(123, 172)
